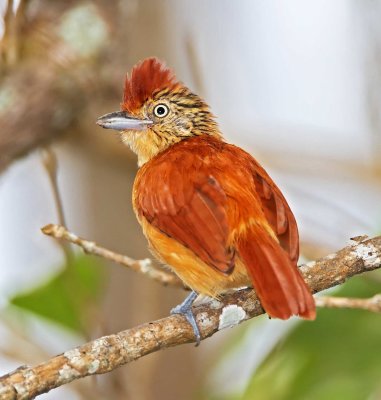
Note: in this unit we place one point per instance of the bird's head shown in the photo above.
(158, 111)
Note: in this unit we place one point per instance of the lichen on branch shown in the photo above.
(110, 352)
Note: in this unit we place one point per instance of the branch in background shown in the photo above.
(31, 95)
(110, 352)
(373, 304)
(30, 117)
(145, 267)
(46, 87)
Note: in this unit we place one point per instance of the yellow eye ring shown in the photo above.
(161, 110)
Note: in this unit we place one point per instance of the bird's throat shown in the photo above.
(147, 144)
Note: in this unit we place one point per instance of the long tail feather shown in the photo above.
(276, 279)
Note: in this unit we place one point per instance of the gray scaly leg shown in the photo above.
(185, 308)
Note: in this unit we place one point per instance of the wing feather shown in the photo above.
(216, 200)
(277, 212)
(191, 208)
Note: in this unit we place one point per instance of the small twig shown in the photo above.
(110, 352)
(145, 266)
(50, 163)
(372, 304)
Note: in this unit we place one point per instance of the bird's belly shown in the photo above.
(191, 270)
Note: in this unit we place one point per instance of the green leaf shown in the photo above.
(335, 357)
(68, 297)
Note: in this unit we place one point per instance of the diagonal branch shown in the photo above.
(145, 266)
(110, 352)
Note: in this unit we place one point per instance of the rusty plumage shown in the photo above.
(228, 220)
(207, 208)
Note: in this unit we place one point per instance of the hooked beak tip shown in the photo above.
(100, 122)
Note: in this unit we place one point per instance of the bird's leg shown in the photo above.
(185, 308)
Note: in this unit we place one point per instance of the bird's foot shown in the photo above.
(185, 308)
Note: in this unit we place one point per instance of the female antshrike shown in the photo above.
(207, 208)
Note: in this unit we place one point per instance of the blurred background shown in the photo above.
(297, 84)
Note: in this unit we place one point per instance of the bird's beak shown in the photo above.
(121, 121)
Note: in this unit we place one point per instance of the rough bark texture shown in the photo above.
(109, 352)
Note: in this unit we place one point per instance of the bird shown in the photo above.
(208, 209)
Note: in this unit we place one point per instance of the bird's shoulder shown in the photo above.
(196, 161)
(168, 181)
(177, 194)
(198, 154)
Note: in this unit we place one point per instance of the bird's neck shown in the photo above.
(147, 144)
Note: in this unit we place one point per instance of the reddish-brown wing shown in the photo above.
(265, 194)
(178, 195)
(200, 191)
(277, 211)
(272, 264)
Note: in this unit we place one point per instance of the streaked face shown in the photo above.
(158, 111)
(178, 113)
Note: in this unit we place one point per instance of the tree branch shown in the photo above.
(145, 266)
(373, 304)
(109, 352)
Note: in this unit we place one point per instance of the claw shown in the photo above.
(185, 308)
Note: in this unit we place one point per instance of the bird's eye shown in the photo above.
(161, 110)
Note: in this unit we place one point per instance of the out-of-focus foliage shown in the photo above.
(336, 357)
(69, 296)
(83, 30)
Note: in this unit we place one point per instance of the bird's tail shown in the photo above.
(276, 279)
